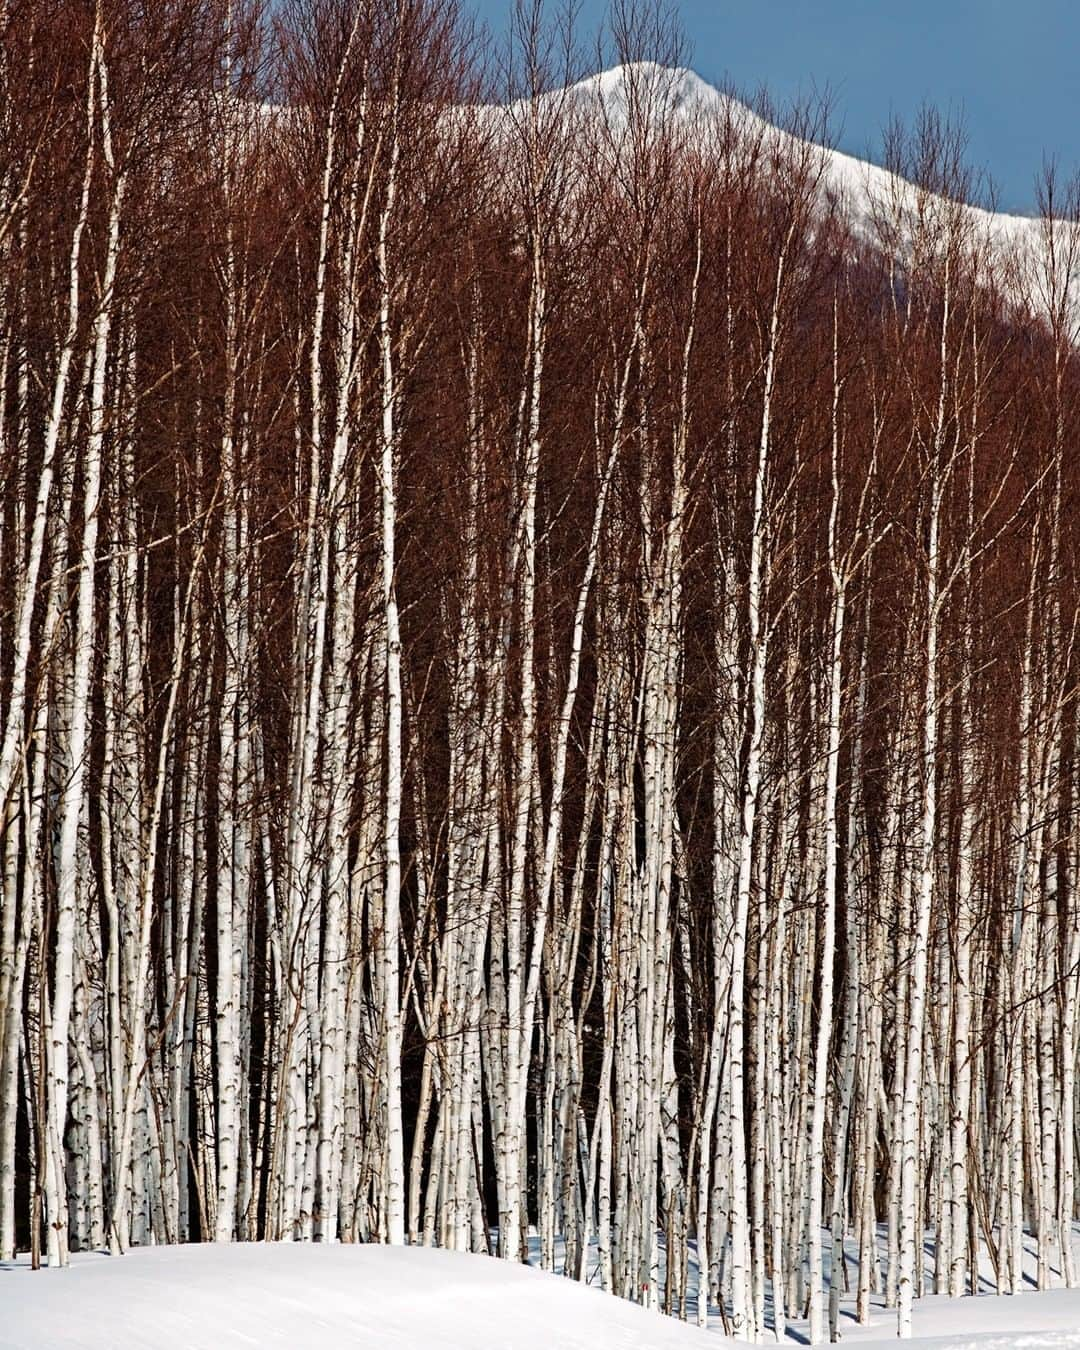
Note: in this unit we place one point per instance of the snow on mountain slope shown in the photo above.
(305, 1296)
(862, 187)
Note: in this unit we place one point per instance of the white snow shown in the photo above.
(1028, 1321)
(864, 190)
(313, 1297)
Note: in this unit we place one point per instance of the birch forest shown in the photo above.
(538, 665)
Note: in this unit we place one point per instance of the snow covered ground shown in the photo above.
(329, 1297)
(309, 1297)
(1029, 1321)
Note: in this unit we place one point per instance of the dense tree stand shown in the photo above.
(537, 666)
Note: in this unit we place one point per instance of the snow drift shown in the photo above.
(329, 1297)
(216, 1297)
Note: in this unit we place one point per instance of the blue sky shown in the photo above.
(1009, 69)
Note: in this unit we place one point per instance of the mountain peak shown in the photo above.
(679, 87)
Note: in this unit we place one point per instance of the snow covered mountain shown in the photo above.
(864, 188)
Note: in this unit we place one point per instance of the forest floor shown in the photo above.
(1031, 1320)
(312, 1297)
